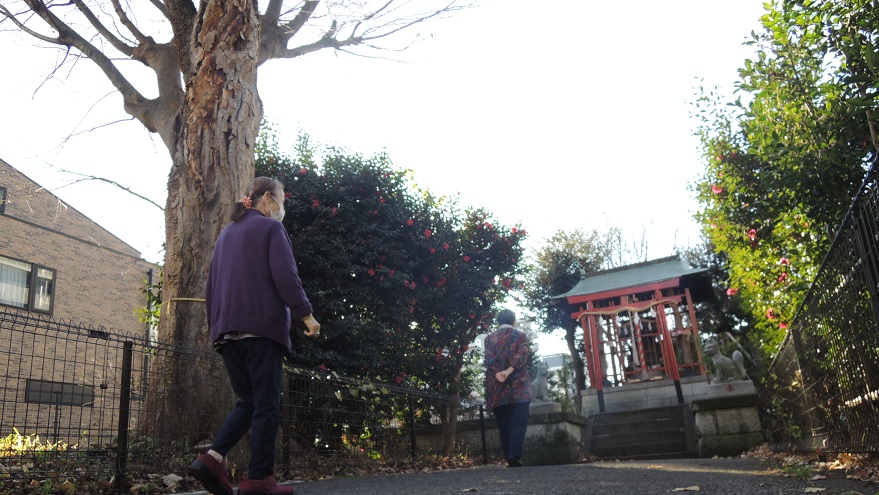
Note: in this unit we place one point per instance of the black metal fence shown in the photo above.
(75, 404)
(822, 390)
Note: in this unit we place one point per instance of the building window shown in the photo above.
(26, 285)
(59, 393)
(2, 200)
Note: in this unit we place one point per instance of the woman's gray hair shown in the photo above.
(506, 317)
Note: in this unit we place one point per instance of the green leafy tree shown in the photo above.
(783, 166)
(555, 269)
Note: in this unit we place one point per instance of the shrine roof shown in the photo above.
(647, 272)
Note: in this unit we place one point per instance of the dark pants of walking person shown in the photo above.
(512, 421)
(254, 365)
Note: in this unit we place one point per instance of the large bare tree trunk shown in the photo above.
(212, 163)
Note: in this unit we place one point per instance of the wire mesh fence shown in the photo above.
(822, 390)
(82, 402)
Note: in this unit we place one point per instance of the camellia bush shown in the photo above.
(401, 281)
(785, 159)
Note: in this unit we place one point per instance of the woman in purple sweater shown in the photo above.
(253, 289)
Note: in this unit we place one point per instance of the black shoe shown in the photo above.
(514, 462)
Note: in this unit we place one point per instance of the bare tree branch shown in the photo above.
(123, 17)
(102, 30)
(272, 13)
(70, 38)
(160, 6)
(9, 15)
(111, 182)
(182, 14)
(387, 29)
(274, 37)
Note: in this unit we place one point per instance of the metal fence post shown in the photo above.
(414, 446)
(482, 428)
(124, 413)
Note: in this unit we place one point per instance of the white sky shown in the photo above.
(553, 115)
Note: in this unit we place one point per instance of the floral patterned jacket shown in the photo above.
(507, 347)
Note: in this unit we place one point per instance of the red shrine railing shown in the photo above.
(641, 341)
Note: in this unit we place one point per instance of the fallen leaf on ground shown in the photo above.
(693, 488)
(811, 489)
(470, 490)
(818, 477)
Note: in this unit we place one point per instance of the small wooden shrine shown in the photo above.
(640, 333)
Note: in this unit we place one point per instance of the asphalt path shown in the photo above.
(714, 476)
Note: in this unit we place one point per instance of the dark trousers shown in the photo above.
(512, 421)
(254, 365)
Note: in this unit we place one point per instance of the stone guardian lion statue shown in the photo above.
(725, 369)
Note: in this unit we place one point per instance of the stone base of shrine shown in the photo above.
(659, 393)
(727, 425)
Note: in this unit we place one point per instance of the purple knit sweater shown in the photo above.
(253, 283)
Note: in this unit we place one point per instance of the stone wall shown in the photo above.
(727, 426)
(551, 438)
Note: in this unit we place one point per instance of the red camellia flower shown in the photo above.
(515, 230)
(472, 315)
(315, 203)
(374, 212)
(399, 380)
(371, 272)
(323, 367)
(770, 313)
(427, 233)
(410, 222)
(466, 259)
(752, 234)
(381, 200)
(782, 325)
(782, 277)
(411, 309)
(487, 225)
(445, 245)
(288, 195)
(432, 250)
(716, 189)
(784, 261)
(334, 210)
(303, 171)
(731, 291)
(391, 272)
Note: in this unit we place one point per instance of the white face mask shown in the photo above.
(277, 215)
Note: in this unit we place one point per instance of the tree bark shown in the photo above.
(579, 375)
(450, 426)
(213, 160)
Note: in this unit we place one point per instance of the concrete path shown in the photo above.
(711, 476)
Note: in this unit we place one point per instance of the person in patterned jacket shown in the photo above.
(508, 386)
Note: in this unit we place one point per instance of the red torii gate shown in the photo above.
(639, 323)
